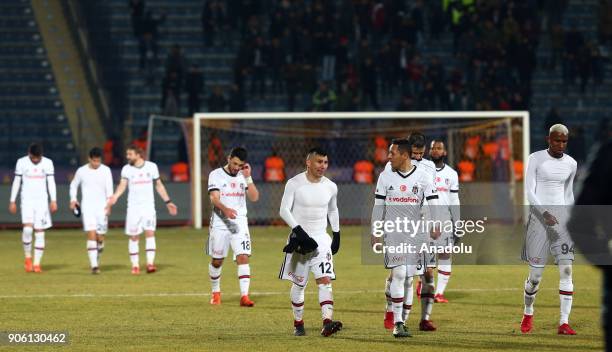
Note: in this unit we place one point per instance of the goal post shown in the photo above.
(459, 125)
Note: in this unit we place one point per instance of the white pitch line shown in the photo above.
(256, 293)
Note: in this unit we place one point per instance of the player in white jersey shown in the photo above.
(447, 185)
(400, 194)
(309, 201)
(549, 182)
(140, 177)
(417, 151)
(96, 182)
(228, 188)
(38, 198)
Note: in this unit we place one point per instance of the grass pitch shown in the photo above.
(169, 310)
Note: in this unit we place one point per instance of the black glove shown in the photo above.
(335, 245)
(292, 245)
(300, 241)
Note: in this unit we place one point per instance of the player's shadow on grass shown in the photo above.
(114, 267)
(54, 267)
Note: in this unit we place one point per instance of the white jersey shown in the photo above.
(447, 185)
(37, 181)
(550, 180)
(140, 185)
(96, 187)
(310, 205)
(402, 194)
(232, 193)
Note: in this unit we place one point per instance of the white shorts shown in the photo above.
(320, 262)
(220, 239)
(541, 239)
(416, 269)
(36, 214)
(445, 239)
(139, 220)
(95, 220)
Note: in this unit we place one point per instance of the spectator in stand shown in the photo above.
(148, 41)
(388, 69)
(236, 99)
(171, 94)
(213, 21)
(290, 75)
(241, 65)
(259, 62)
(324, 98)
(604, 27)
(176, 62)
(348, 99)
(194, 84)
(277, 61)
(407, 103)
(217, 101)
(557, 41)
(137, 11)
(369, 83)
(436, 75)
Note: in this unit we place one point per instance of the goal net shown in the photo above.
(486, 148)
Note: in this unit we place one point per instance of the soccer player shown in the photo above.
(400, 194)
(96, 182)
(140, 176)
(228, 188)
(447, 185)
(549, 181)
(417, 144)
(309, 200)
(38, 199)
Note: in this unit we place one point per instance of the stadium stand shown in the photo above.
(30, 106)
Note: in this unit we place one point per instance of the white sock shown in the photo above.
(566, 292)
(444, 273)
(397, 292)
(134, 248)
(100, 246)
(408, 296)
(389, 307)
(326, 301)
(26, 238)
(297, 302)
(532, 284)
(427, 297)
(92, 253)
(244, 278)
(215, 278)
(150, 247)
(39, 246)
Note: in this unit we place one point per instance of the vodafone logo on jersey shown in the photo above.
(410, 200)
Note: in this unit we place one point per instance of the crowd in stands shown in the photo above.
(345, 55)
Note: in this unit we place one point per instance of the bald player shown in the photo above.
(549, 182)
